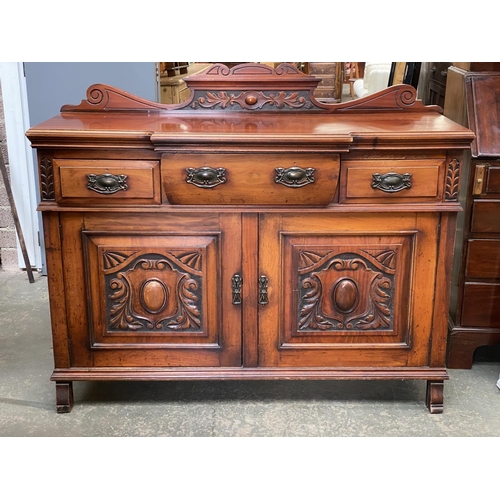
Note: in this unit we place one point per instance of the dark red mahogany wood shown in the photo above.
(251, 232)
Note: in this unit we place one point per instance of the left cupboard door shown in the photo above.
(151, 290)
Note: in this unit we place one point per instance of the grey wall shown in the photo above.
(50, 85)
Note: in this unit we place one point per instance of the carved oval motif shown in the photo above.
(154, 296)
(345, 295)
(251, 100)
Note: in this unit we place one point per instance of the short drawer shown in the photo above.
(483, 259)
(250, 179)
(107, 181)
(327, 82)
(493, 183)
(391, 181)
(485, 216)
(486, 179)
(481, 305)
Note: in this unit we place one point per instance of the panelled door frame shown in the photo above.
(410, 350)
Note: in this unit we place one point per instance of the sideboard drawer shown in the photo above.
(485, 216)
(107, 181)
(252, 179)
(391, 180)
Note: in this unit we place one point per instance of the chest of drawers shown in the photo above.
(475, 312)
(251, 232)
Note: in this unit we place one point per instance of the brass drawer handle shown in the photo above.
(391, 182)
(237, 285)
(107, 183)
(479, 184)
(263, 297)
(294, 177)
(206, 177)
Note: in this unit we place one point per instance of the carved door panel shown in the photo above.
(159, 293)
(347, 290)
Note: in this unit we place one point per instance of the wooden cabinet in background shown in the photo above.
(331, 75)
(475, 312)
(173, 87)
(251, 232)
(436, 83)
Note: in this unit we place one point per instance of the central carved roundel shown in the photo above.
(345, 295)
(154, 296)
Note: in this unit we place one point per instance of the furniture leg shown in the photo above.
(434, 396)
(64, 396)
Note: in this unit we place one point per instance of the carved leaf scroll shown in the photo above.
(146, 292)
(252, 100)
(346, 291)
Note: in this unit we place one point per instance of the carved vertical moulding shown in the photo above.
(47, 179)
(452, 180)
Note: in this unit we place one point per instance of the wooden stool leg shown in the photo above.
(435, 396)
(64, 397)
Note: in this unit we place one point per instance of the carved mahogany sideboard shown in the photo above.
(475, 312)
(251, 232)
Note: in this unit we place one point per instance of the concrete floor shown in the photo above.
(282, 408)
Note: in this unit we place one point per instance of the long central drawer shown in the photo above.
(250, 179)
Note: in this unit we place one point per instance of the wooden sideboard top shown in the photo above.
(253, 104)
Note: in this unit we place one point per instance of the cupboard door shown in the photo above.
(158, 291)
(347, 290)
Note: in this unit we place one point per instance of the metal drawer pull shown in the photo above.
(391, 182)
(479, 184)
(107, 183)
(237, 284)
(206, 177)
(294, 177)
(263, 298)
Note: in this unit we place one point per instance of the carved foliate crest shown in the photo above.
(252, 87)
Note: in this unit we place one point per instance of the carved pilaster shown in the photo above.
(47, 179)
(452, 180)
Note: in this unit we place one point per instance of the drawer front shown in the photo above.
(485, 216)
(107, 181)
(481, 305)
(483, 259)
(486, 179)
(493, 181)
(327, 82)
(321, 68)
(391, 181)
(324, 92)
(251, 179)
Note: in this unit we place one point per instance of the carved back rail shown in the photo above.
(252, 88)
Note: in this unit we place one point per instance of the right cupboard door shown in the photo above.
(346, 290)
